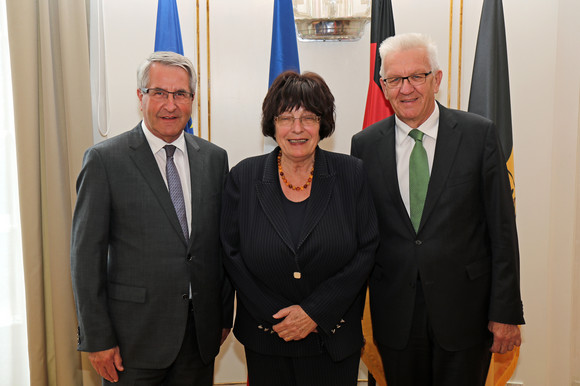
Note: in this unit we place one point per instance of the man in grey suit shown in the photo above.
(152, 302)
(445, 291)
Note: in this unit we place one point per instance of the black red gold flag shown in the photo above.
(377, 108)
(382, 26)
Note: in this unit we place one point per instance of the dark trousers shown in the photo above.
(425, 363)
(319, 370)
(187, 369)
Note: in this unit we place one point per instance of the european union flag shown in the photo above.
(168, 34)
(284, 53)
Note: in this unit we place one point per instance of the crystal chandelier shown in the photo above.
(337, 20)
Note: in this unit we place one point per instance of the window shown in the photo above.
(13, 338)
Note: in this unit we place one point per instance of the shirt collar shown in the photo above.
(157, 143)
(430, 127)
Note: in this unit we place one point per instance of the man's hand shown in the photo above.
(296, 324)
(107, 363)
(225, 333)
(505, 337)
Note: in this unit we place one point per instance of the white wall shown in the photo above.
(544, 65)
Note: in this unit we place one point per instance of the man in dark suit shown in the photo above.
(444, 292)
(152, 303)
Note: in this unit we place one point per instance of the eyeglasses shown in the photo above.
(305, 120)
(414, 80)
(161, 95)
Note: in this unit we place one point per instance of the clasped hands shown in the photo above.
(296, 325)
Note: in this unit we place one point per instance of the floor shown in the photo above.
(361, 383)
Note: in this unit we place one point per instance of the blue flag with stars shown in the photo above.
(284, 52)
(168, 35)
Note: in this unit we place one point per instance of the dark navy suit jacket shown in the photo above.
(465, 251)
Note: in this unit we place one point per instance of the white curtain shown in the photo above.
(576, 275)
(13, 338)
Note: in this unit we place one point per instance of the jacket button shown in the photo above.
(418, 242)
(189, 257)
(185, 296)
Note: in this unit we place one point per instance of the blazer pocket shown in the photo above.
(478, 268)
(460, 180)
(126, 293)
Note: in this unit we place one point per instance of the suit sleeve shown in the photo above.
(505, 301)
(89, 250)
(332, 298)
(227, 291)
(261, 302)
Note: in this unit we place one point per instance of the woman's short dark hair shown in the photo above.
(290, 91)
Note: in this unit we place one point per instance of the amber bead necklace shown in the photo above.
(281, 172)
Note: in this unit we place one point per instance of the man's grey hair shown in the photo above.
(405, 42)
(166, 58)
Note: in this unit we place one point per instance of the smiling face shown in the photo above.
(166, 119)
(412, 104)
(297, 141)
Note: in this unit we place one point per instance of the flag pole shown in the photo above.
(450, 51)
(197, 41)
(208, 73)
(459, 55)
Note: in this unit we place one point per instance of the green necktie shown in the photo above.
(418, 178)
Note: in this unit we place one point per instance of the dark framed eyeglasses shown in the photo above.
(414, 80)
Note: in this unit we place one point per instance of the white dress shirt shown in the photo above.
(180, 159)
(404, 146)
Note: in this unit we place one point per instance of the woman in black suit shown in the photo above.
(299, 231)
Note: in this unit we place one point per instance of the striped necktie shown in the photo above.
(175, 190)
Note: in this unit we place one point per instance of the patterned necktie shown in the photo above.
(418, 178)
(175, 190)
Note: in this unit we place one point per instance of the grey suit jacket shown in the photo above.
(131, 266)
(466, 248)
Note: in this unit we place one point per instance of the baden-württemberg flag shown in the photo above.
(490, 88)
(490, 97)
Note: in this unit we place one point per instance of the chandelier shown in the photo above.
(334, 20)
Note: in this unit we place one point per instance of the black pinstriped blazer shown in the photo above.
(335, 254)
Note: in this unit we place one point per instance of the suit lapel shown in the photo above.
(145, 161)
(321, 191)
(388, 159)
(268, 192)
(448, 139)
(196, 168)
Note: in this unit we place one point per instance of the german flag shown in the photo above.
(382, 26)
(377, 108)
